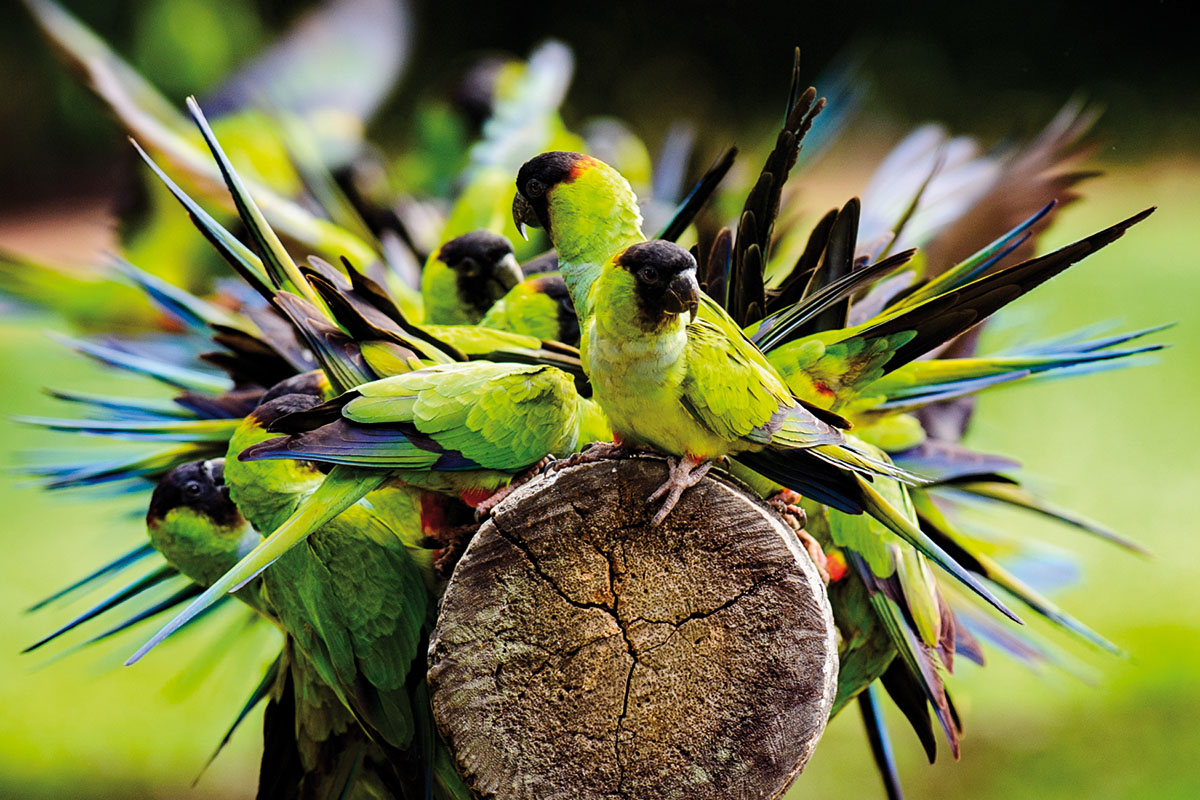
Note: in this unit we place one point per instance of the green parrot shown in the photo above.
(465, 276)
(586, 208)
(354, 599)
(464, 429)
(358, 598)
(700, 392)
(313, 746)
(696, 388)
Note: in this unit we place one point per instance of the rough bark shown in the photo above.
(582, 654)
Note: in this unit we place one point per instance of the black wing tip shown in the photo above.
(316, 416)
(1114, 232)
(272, 448)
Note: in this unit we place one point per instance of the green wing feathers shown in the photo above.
(720, 370)
(478, 415)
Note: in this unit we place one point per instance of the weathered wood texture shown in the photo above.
(582, 654)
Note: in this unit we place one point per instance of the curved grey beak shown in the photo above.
(215, 467)
(524, 215)
(508, 272)
(505, 275)
(683, 294)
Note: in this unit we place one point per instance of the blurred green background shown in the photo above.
(1120, 447)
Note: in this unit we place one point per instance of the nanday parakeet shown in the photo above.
(313, 744)
(464, 277)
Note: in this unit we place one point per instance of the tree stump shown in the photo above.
(580, 653)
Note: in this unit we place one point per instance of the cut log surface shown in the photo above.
(580, 653)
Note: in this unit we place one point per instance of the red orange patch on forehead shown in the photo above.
(581, 164)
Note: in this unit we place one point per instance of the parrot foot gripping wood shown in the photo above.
(582, 653)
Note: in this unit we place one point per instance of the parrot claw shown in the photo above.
(454, 544)
(785, 503)
(484, 509)
(816, 553)
(683, 474)
(599, 451)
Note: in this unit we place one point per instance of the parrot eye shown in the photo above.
(535, 188)
(648, 275)
(193, 489)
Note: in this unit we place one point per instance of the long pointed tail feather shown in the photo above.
(883, 511)
(881, 743)
(945, 316)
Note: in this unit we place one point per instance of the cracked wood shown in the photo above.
(581, 653)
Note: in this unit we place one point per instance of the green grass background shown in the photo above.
(1119, 446)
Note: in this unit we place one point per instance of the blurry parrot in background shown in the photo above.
(465, 277)
(310, 93)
